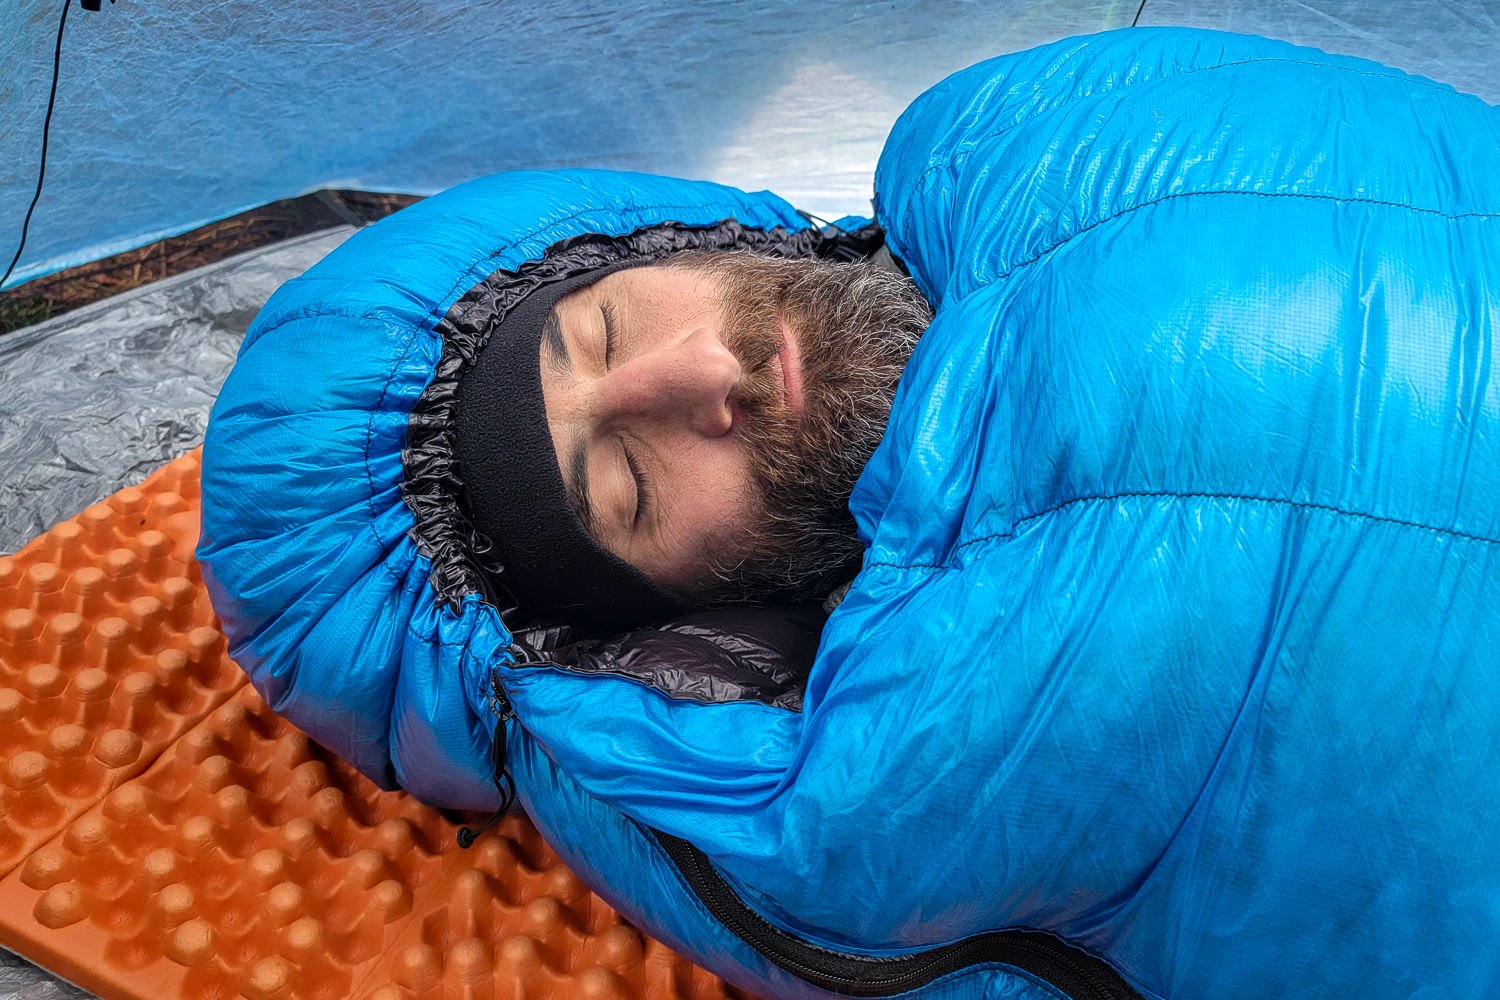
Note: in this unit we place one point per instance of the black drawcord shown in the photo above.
(504, 784)
(819, 221)
(46, 125)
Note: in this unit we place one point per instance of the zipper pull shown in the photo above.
(504, 784)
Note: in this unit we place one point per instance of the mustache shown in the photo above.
(848, 380)
(753, 335)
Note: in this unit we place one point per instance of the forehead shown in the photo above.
(660, 288)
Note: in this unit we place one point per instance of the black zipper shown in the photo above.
(1070, 970)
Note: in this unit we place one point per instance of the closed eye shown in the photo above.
(610, 326)
(643, 495)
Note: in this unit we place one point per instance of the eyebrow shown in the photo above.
(578, 488)
(555, 351)
(554, 344)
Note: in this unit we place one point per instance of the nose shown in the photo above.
(687, 383)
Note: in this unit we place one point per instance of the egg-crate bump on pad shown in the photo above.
(164, 834)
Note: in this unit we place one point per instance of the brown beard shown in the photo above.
(855, 327)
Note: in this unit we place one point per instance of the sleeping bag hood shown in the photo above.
(1170, 671)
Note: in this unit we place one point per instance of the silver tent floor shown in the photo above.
(93, 400)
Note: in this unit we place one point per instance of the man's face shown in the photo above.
(655, 398)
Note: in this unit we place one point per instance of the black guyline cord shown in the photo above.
(41, 173)
(1133, 21)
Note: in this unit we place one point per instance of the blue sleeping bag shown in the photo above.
(1173, 667)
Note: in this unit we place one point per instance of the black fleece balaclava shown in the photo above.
(513, 487)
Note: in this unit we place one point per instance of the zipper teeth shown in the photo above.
(705, 873)
(1089, 981)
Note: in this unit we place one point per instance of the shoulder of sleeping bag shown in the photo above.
(1168, 215)
(1003, 163)
(1195, 472)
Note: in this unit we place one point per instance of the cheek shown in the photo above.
(721, 490)
(713, 500)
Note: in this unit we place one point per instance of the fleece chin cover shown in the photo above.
(546, 561)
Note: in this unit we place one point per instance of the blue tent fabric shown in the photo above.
(271, 101)
(1175, 636)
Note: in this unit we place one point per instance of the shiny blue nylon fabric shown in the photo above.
(306, 552)
(305, 545)
(1176, 633)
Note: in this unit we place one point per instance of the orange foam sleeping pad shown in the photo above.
(163, 834)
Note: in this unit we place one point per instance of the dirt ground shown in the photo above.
(57, 293)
